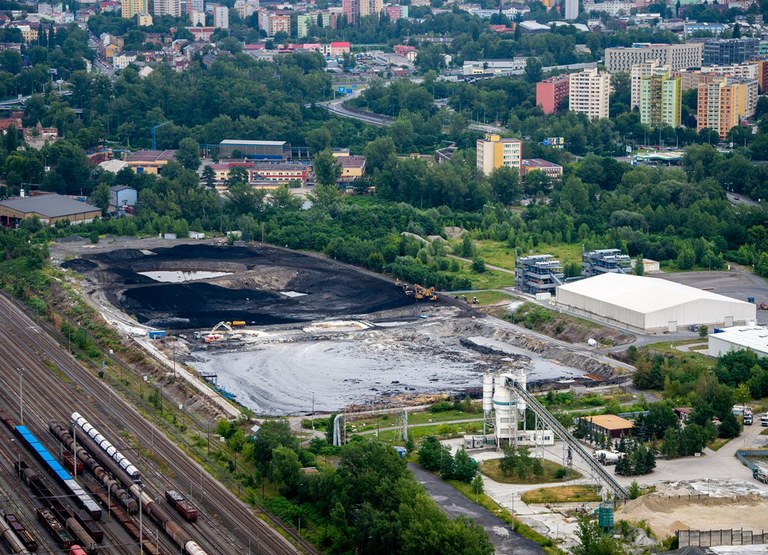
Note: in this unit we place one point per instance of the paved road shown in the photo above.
(504, 538)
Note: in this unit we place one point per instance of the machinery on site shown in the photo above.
(220, 332)
(418, 292)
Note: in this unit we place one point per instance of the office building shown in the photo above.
(221, 17)
(550, 169)
(729, 51)
(168, 7)
(129, 8)
(571, 9)
(677, 56)
(724, 102)
(494, 152)
(661, 98)
(539, 273)
(551, 92)
(594, 263)
(589, 92)
(354, 10)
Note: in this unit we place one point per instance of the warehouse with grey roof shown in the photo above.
(48, 208)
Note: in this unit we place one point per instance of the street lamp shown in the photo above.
(21, 395)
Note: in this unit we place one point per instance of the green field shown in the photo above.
(491, 469)
(500, 254)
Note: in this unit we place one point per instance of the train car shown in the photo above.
(72, 464)
(90, 525)
(82, 536)
(183, 505)
(102, 474)
(59, 533)
(77, 550)
(107, 447)
(192, 548)
(10, 540)
(21, 531)
(58, 471)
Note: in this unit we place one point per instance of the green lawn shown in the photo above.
(491, 469)
(562, 494)
(500, 254)
(485, 298)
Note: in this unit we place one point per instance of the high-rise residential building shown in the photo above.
(305, 21)
(221, 16)
(661, 98)
(589, 92)
(729, 51)
(551, 92)
(354, 10)
(724, 102)
(246, 8)
(571, 9)
(196, 19)
(278, 23)
(494, 152)
(195, 6)
(168, 7)
(676, 56)
(637, 72)
(129, 8)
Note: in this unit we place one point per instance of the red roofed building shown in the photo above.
(352, 168)
(550, 169)
(338, 49)
(408, 52)
(502, 28)
(202, 34)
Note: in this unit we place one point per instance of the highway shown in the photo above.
(337, 107)
(55, 385)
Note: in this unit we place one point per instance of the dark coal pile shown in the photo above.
(328, 289)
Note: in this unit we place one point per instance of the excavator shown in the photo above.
(215, 335)
(423, 294)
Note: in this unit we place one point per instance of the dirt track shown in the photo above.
(265, 286)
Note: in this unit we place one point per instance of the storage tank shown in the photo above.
(487, 393)
(506, 412)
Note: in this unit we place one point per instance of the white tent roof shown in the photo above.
(641, 294)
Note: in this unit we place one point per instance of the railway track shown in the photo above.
(63, 385)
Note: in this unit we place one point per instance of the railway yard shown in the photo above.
(42, 383)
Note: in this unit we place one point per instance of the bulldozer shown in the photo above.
(424, 294)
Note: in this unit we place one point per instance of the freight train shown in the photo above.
(94, 467)
(179, 536)
(55, 468)
(15, 536)
(107, 447)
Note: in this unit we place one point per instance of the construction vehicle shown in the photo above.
(607, 457)
(423, 294)
(215, 335)
(237, 323)
(404, 286)
(760, 474)
(762, 306)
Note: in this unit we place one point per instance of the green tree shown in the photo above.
(285, 470)
(467, 247)
(593, 541)
(238, 175)
(430, 453)
(465, 467)
(271, 435)
(188, 154)
(101, 197)
(477, 484)
(326, 167)
(325, 197)
(505, 184)
(703, 331)
(208, 176)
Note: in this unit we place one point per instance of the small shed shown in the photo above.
(609, 425)
(122, 195)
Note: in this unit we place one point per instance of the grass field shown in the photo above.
(562, 494)
(491, 469)
(668, 347)
(485, 298)
(501, 255)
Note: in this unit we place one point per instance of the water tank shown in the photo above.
(506, 411)
(605, 517)
(487, 392)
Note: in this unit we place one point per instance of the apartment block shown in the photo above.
(660, 99)
(551, 92)
(636, 73)
(571, 9)
(129, 8)
(494, 152)
(354, 10)
(723, 103)
(677, 56)
(275, 22)
(305, 21)
(196, 19)
(589, 92)
(196, 5)
(221, 17)
(168, 7)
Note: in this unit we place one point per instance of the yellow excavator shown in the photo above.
(423, 294)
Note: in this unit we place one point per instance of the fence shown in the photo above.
(710, 538)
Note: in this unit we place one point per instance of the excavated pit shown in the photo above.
(258, 285)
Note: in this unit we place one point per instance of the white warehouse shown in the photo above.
(651, 305)
(738, 338)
